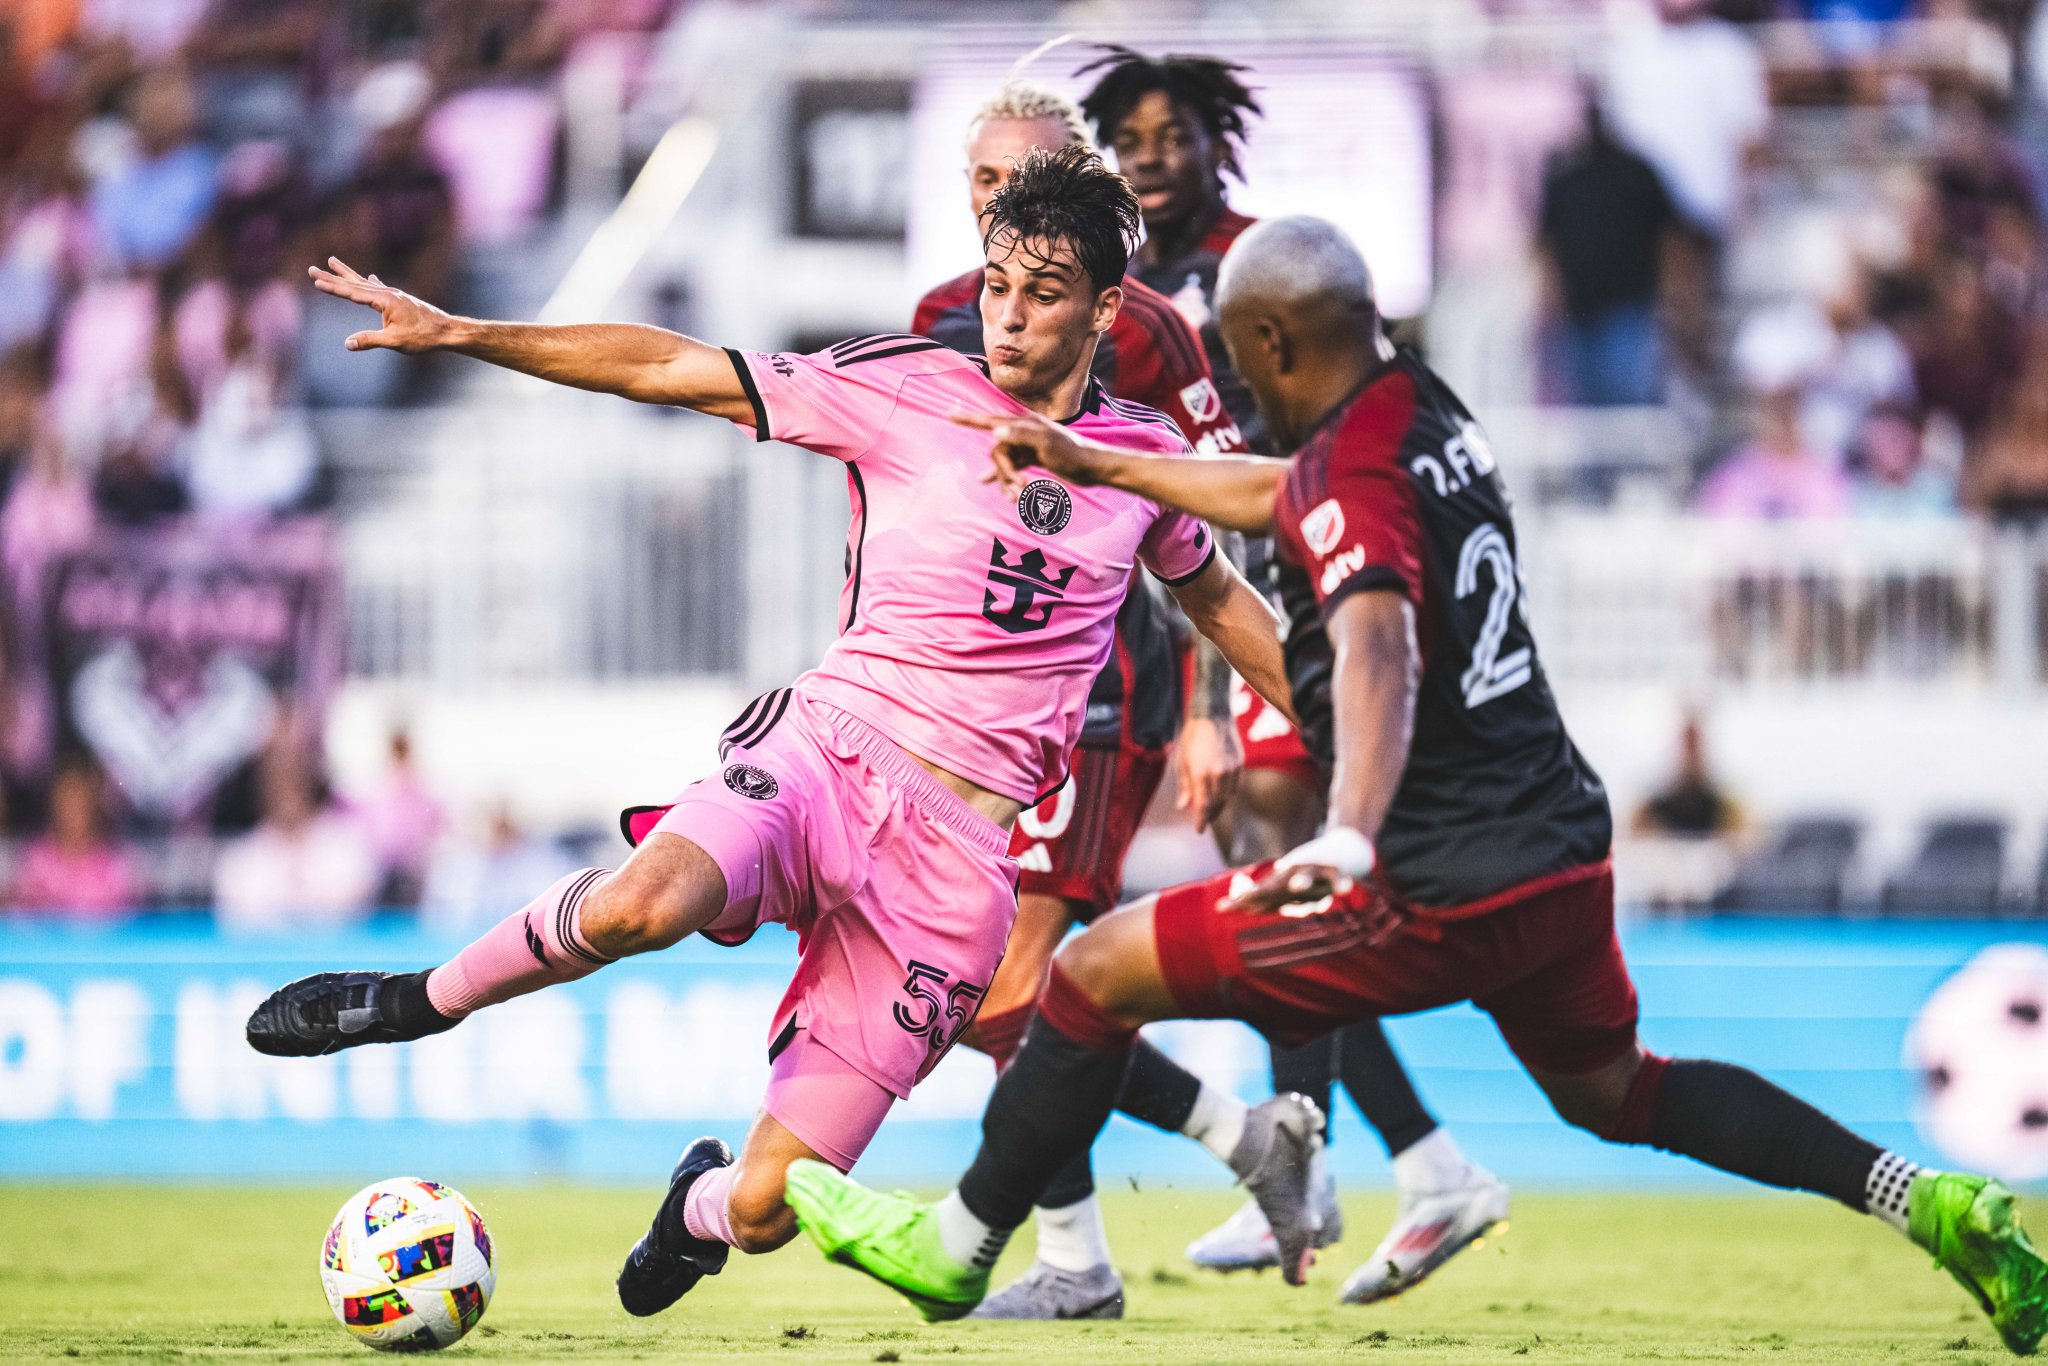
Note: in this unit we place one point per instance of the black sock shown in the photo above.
(1157, 1091)
(403, 1004)
(1048, 1106)
(1380, 1088)
(1731, 1118)
(1072, 1184)
(1307, 1069)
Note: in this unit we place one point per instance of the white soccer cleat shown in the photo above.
(1431, 1228)
(1244, 1241)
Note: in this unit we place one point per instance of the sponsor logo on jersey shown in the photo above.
(1045, 506)
(1341, 568)
(1201, 400)
(782, 365)
(749, 781)
(1323, 527)
(1027, 580)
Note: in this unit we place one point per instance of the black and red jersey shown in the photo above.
(1188, 282)
(1151, 356)
(1396, 491)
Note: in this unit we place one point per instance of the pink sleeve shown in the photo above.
(834, 402)
(1177, 548)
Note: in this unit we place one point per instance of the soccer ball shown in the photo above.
(407, 1265)
(1980, 1048)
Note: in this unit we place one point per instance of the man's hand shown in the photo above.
(1304, 882)
(1022, 440)
(1207, 761)
(1328, 865)
(410, 325)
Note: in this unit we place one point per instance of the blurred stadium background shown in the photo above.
(313, 657)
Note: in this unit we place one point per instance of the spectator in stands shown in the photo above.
(397, 212)
(470, 885)
(2009, 476)
(1688, 92)
(1890, 474)
(151, 206)
(1777, 474)
(46, 239)
(1602, 229)
(403, 820)
(1845, 361)
(77, 869)
(21, 395)
(261, 60)
(1966, 349)
(1693, 804)
(1977, 170)
(305, 865)
(236, 340)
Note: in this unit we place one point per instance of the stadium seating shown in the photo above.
(1801, 873)
(1958, 871)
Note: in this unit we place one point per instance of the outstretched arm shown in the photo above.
(645, 364)
(1373, 686)
(1233, 493)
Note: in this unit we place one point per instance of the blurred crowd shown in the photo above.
(1831, 235)
(168, 168)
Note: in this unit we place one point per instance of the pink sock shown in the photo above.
(527, 950)
(707, 1209)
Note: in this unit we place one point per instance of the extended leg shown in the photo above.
(1048, 1106)
(1072, 1275)
(668, 889)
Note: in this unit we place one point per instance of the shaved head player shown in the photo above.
(869, 805)
(1177, 126)
(1467, 852)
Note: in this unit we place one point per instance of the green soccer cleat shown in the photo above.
(892, 1238)
(1969, 1224)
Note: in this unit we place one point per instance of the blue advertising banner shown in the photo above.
(121, 1056)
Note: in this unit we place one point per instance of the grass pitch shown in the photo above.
(214, 1273)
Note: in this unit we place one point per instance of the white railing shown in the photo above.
(1697, 603)
(520, 540)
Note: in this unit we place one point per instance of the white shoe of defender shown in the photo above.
(1244, 1241)
(1431, 1228)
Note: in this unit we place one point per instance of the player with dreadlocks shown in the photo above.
(1177, 125)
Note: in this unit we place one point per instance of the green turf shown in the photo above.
(230, 1273)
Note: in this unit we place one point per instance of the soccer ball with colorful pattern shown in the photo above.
(407, 1265)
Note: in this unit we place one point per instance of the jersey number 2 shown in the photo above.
(1491, 673)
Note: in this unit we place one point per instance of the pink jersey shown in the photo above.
(970, 627)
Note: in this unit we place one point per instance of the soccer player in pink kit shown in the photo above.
(868, 805)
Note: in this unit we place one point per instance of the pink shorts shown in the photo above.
(900, 893)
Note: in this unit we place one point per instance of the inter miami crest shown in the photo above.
(1045, 506)
(749, 781)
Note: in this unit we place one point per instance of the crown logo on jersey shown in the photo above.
(1028, 580)
(1045, 506)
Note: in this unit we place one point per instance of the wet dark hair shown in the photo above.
(1066, 195)
(1207, 87)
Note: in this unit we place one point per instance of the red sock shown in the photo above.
(999, 1035)
(1632, 1121)
(1075, 1014)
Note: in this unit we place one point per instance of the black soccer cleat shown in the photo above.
(664, 1265)
(330, 1011)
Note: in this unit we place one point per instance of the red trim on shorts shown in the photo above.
(1521, 891)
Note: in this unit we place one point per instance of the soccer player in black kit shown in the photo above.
(1177, 126)
(1466, 856)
